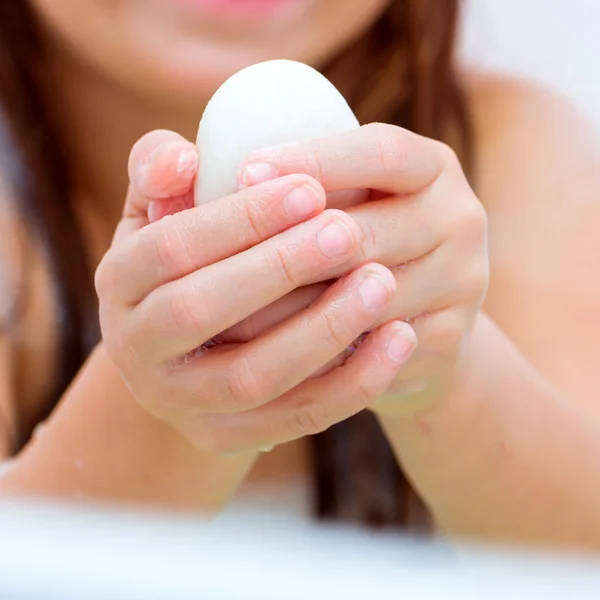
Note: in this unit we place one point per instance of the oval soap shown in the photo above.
(267, 104)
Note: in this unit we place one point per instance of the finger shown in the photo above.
(173, 248)
(317, 404)
(376, 156)
(159, 209)
(436, 299)
(395, 232)
(400, 230)
(440, 336)
(266, 318)
(434, 283)
(344, 199)
(272, 364)
(162, 164)
(162, 168)
(180, 316)
(425, 284)
(424, 291)
(135, 218)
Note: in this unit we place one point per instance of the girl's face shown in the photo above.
(179, 51)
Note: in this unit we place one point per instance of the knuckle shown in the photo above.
(336, 328)
(468, 229)
(172, 253)
(309, 418)
(366, 392)
(254, 213)
(475, 219)
(106, 275)
(245, 388)
(282, 262)
(447, 153)
(390, 146)
(476, 279)
(466, 224)
(315, 164)
(188, 312)
(368, 244)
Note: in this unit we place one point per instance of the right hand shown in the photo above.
(168, 287)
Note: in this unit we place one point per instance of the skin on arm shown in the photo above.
(540, 182)
(100, 445)
(513, 453)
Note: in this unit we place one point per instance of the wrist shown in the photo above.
(100, 444)
(448, 439)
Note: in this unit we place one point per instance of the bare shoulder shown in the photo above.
(537, 134)
(538, 175)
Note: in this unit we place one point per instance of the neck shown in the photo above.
(100, 121)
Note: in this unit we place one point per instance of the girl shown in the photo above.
(232, 328)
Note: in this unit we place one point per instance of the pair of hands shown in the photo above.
(235, 321)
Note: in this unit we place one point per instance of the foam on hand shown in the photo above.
(267, 104)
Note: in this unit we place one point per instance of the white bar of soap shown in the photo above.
(267, 104)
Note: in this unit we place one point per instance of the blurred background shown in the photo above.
(554, 41)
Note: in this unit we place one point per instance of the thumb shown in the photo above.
(162, 167)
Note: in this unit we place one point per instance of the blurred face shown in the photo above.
(178, 51)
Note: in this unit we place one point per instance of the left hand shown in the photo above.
(419, 217)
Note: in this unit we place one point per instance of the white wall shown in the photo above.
(556, 41)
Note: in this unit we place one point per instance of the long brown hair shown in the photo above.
(400, 72)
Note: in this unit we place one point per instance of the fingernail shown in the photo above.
(335, 239)
(187, 162)
(301, 202)
(255, 173)
(402, 344)
(374, 293)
